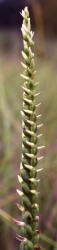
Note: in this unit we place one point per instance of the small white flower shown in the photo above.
(22, 14)
(22, 135)
(32, 34)
(25, 44)
(29, 26)
(24, 27)
(31, 53)
(26, 9)
(23, 31)
(26, 12)
(24, 55)
(30, 40)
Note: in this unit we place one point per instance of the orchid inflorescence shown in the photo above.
(29, 173)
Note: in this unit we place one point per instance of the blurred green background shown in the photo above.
(11, 128)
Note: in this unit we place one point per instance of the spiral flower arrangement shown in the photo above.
(29, 173)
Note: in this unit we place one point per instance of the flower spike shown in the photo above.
(29, 179)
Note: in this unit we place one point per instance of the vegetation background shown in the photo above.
(43, 15)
